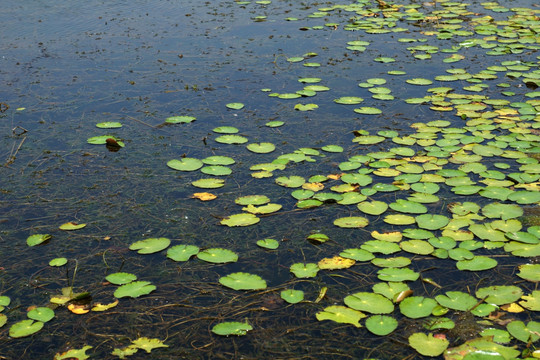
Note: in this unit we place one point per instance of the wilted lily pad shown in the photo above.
(79, 354)
(150, 245)
(341, 314)
(336, 262)
(243, 281)
(232, 328)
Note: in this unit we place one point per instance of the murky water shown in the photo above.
(73, 64)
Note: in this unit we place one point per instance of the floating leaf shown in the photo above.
(243, 281)
(109, 125)
(182, 252)
(415, 307)
(186, 164)
(499, 295)
(531, 302)
(225, 130)
(58, 261)
(180, 119)
(428, 345)
(530, 272)
(104, 307)
(242, 219)
(381, 325)
(301, 270)
(235, 106)
(336, 262)
(204, 196)
(218, 160)
(291, 181)
(477, 263)
(367, 110)
(252, 200)
(271, 244)
(148, 344)
(25, 328)
(216, 170)
(121, 278)
(79, 354)
(231, 139)
(481, 346)
(150, 245)
(232, 328)
(341, 314)
(104, 139)
(292, 296)
(351, 222)
(525, 333)
(397, 274)
(134, 289)
(261, 148)
(37, 239)
(42, 314)
(208, 183)
(406, 206)
(432, 221)
(369, 302)
(71, 226)
(457, 300)
(218, 255)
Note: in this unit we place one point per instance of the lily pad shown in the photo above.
(231, 139)
(243, 219)
(369, 302)
(208, 183)
(69, 226)
(182, 252)
(381, 325)
(232, 328)
(530, 272)
(351, 222)
(121, 278)
(150, 245)
(499, 295)
(218, 255)
(243, 281)
(415, 307)
(25, 328)
(235, 106)
(261, 148)
(134, 289)
(42, 314)
(37, 239)
(428, 345)
(292, 296)
(61, 261)
(301, 270)
(291, 181)
(180, 119)
(186, 164)
(341, 314)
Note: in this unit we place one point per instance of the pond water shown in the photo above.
(428, 107)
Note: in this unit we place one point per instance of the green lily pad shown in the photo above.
(399, 219)
(216, 170)
(42, 314)
(419, 81)
(525, 333)
(218, 255)
(37, 239)
(69, 226)
(231, 139)
(150, 245)
(415, 307)
(368, 110)
(185, 164)
(182, 252)
(292, 296)
(109, 125)
(529, 272)
(357, 254)
(531, 302)
(235, 106)
(120, 278)
(499, 294)
(134, 289)
(232, 328)
(306, 107)
(428, 345)
(252, 200)
(261, 148)
(225, 130)
(242, 219)
(415, 246)
(395, 262)
(218, 160)
(61, 261)
(369, 302)
(301, 270)
(351, 222)
(477, 263)
(180, 119)
(432, 221)
(373, 207)
(332, 148)
(481, 347)
(457, 300)
(406, 206)
(102, 140)
(25, 328)
(349, 100)
(390, 290)
(270, 244)
(263, 209)
(341, 314)
(381, 325)
(397, 274)
(208, 183)
(291, 181)
(243, 281)
(502, 211)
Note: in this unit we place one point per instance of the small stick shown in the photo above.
(11, 159)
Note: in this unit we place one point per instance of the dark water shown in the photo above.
(74, 64)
